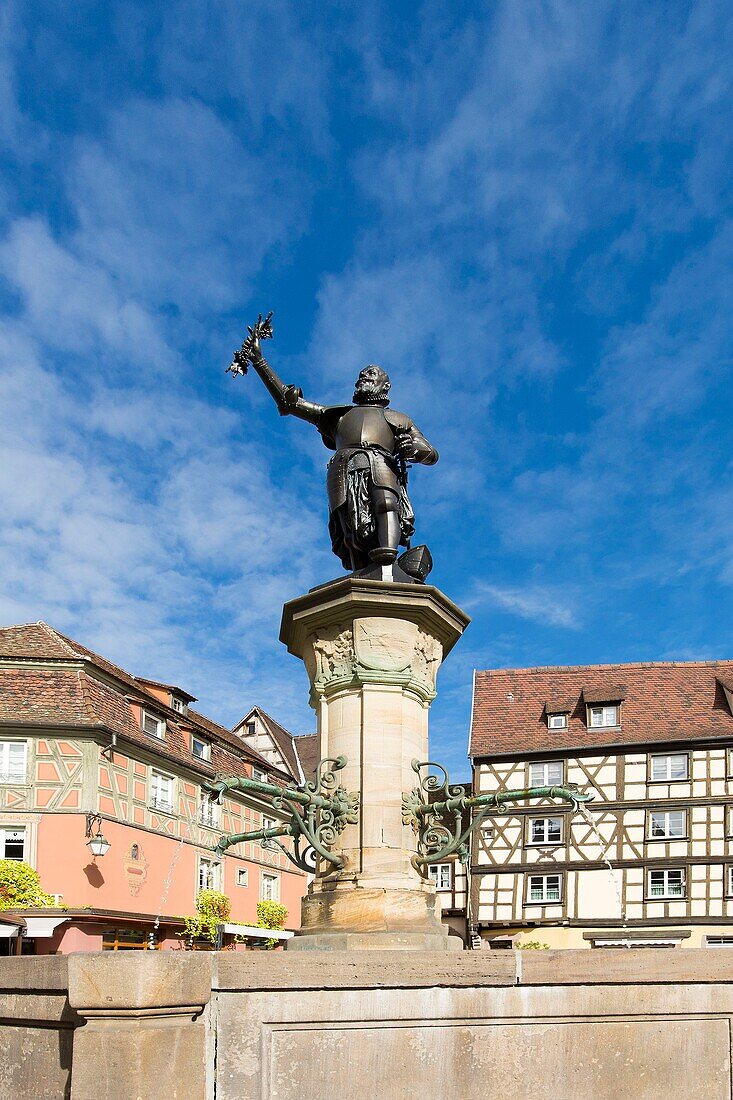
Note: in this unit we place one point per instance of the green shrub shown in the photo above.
(533, 945)
(20, 886)
(212, 909)
(271, 914)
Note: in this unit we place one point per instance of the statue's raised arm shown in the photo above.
(370, 511)
(289, 399)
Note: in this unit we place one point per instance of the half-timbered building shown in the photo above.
(650, 862)
(83, 740)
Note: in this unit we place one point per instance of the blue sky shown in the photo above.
(521, 210)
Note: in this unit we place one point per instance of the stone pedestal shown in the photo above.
(372, 651)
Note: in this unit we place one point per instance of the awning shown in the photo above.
(7, 931)
(42, 928)
(661, 942)
(259, 933)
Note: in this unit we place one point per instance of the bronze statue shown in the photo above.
(370, 511)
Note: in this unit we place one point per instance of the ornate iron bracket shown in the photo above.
(439, 822)
(318, 812)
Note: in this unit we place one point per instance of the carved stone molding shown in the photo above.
(373, 650)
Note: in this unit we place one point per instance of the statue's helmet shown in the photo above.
(372, 386)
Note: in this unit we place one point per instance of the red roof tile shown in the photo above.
(662, 702)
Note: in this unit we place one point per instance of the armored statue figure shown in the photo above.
(370, 511)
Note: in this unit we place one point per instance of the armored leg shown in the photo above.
(386, 512)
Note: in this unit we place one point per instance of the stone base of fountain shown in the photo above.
(372, 651)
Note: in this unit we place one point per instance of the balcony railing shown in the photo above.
(163, 804)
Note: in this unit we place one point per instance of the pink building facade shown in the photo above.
(80, 737)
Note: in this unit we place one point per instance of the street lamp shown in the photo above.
(97, 844)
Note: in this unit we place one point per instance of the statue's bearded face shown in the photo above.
(372, 387)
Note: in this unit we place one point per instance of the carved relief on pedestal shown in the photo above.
(384, 645)
(395, 651)
(428, 658)
(329, 655)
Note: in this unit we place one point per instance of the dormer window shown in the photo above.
(153, 725)
(603, 716)
(557, 721)
(603, 705)
(178, 704)
(201, 749)
(259, 775)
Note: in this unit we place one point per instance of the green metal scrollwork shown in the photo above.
(439, 822)
(318, 812)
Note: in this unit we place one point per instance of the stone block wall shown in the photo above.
(647, 1024)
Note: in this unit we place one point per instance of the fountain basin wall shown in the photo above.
(568, 1024)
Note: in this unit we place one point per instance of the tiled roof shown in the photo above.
(76, 696)
(661, 702)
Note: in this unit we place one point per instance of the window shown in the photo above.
(201, 749)
(152, 725)
(270, 887)
(719, 941)
(268, 822)
(259, 775)
(242, 876)
(545, 773)
(208, 811)
(664, 824)
(440, 875)
(667, 884)
(178, 704)
(730, 881)
(161, 792)
(545, 830)
(557, 721)
(126, 939)
(603, 716)
(13, 759)
(544, 888)
(208, 873)
(12, 843)
(668, 767)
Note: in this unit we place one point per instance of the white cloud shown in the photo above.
(545, 605)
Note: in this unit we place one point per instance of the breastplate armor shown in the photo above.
(363, 425)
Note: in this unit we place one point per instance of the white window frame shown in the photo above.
(212, 876)
(157, 803)
(10, 773)
(662, 762)
(269, 886)
(558, 720)
(729, 880)
(178, 705)
(544, 889)
(241, 876)
(609, 715)
(665, 873)
(545, 779)
(145, 716)
(441, 876)
(206, 746)
(208, 810)
(259, 775)
(8, 831)
(546, 840)
(661, 821)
